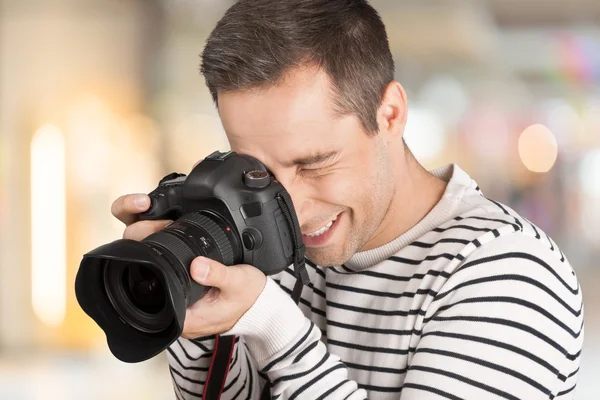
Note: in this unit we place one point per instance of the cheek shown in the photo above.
(362, 186)
(348, 190)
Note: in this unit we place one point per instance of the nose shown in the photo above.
(303, 211)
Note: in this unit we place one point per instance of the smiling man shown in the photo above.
(421, 287)
(352, 189)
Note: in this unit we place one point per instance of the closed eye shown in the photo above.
(317, 164)
(314, 159)
(311, 171)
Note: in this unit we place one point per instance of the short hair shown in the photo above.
(257, 42)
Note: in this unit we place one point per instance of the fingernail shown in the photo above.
(201, 268)
(141, 201)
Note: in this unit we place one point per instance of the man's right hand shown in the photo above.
(126, 208)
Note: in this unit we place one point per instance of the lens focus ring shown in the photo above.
(179, 248)
(215, 232)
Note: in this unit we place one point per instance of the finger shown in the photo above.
(142, 229)
(209, 272)
(195, 326)
(191, 327)
(126, 207)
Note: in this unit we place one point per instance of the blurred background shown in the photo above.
(100, 98)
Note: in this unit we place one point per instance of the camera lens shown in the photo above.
(137, 293)
(144, 289)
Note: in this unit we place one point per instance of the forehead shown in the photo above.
(290, 120)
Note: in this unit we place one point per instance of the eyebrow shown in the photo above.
(314, 158)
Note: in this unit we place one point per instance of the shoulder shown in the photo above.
(511, 299)
(519, 275)
(501, 241)
(504, 253)
(486, 225)
(517, 256)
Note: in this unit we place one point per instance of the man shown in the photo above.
(421, 287)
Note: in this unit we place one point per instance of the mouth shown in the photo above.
(320, 236)
(322, 229)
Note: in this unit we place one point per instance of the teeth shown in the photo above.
(322, 230)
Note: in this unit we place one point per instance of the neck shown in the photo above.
(420, 192)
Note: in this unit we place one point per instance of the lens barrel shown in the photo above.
(137, 292)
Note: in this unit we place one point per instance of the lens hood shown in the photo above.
(125, 342)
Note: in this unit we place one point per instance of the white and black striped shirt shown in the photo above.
(474, 302)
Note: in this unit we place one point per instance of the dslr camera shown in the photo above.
(229, 208)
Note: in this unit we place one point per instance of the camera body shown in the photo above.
(230, 209)
(241, 193)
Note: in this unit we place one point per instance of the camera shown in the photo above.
(229, 208)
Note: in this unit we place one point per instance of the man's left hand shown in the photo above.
(233, 291)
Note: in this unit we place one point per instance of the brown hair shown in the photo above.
(258, 41)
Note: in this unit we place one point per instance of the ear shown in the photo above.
(391, 115)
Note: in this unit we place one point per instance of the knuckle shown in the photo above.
(238, 276)
(220, 274)
(152, 226)
(248, 271)
(144, 229)
(141, 229)
(129, 231)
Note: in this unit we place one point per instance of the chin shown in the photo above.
(325, 257)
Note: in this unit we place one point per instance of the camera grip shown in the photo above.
(158, 211)
(165, 200)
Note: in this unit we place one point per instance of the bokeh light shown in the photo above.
(486, 132)
(558, 115)
(48, 225)
(447, 96)
(590, 220)
(537, 148)
(425, 134)
(589, 173)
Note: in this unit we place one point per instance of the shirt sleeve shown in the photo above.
(288, 349)
(508, 323)
(189, 361)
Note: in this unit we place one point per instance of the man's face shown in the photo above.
(333, 170)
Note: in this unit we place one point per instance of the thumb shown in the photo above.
(209, 272)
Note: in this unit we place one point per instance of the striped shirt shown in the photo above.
(473, 302)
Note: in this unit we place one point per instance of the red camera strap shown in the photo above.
(219, 367)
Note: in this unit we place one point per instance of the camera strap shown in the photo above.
(223, 350)
(285, 203)
(219, 367)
